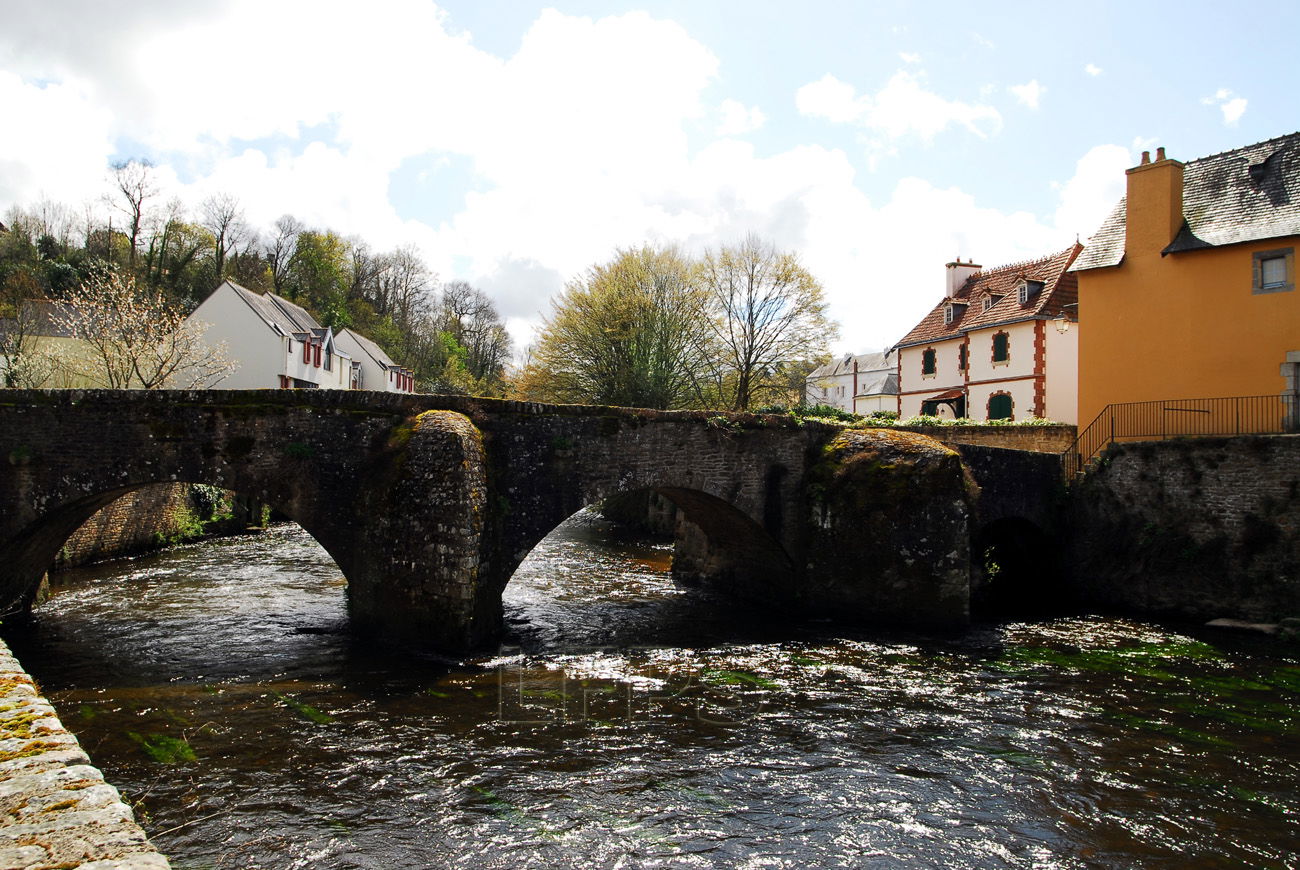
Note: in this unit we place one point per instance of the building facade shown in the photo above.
(859, 383)
(1188, 290)
(1001, 344)
(273, 343)
(374, 369)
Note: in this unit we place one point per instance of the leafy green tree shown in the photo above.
(320, 276)
(626, 333)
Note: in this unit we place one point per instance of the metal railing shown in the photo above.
(1181, 418)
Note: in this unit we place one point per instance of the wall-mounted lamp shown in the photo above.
(1062, 323)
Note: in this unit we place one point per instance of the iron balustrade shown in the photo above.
(1182, 418)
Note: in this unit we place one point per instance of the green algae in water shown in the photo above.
(505, 810)
(737, 678)
(164, 749)
(1145, 660)
(1187, 735)
(306, 711)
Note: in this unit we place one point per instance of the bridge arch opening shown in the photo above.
(132, 520)
(1017, 572)
(644, 565)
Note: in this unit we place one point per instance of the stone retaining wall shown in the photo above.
(56, 811)
(1039, 439)
(1193, 527)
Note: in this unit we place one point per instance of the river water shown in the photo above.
(626, 722)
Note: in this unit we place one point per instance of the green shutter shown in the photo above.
(1000, 407)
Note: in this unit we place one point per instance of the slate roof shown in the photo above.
(867, 362)
(279, 313)
(878, 384)
(375, 351)
(1060, 289)
(1243, 195)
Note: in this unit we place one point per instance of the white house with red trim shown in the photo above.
(276, 344)
(1002, 344)
(375, 370)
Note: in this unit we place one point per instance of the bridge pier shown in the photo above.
(419, 580)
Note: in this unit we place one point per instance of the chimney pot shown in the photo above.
(1160, 153)
(1146, 157)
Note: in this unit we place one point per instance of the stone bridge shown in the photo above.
(428, 503)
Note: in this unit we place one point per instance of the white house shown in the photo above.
(861, 384)
(1003, 343)
(375, 370)
(273, 342)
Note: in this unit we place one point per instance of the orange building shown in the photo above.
(1188, 290)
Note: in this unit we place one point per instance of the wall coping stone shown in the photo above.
(55, 808)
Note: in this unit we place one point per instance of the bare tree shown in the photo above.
(403, 287)
(133, 338)
(136, 184)
(281, 247)
(769, 310)
(224, 218)
(470, 317)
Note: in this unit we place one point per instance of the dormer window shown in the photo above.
(990, 301)
(948, 315)
(1028, 290)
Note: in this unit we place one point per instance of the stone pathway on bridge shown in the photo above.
(56, 811)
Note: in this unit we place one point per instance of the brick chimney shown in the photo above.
(1155, 204)
(957, 273)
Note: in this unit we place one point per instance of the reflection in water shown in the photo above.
(627, 722)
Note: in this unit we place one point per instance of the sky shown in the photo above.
(518, 143)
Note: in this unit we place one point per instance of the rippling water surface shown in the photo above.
(629, 723)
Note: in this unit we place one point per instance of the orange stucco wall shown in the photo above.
(1182, 325)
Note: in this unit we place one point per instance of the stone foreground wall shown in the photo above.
(56, 811)
(1197, 527)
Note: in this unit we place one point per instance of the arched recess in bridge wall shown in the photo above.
(1017, 572)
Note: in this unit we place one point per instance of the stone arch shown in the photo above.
(36, 546)
(715, 542)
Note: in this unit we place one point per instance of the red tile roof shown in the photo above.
(1000, 284)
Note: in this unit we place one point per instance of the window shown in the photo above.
(1028, 290)
(1001, 347)
(961, 357)
(988, 302)
(947, 315)
(1000, 406)
(1274, 271)
(928, 365)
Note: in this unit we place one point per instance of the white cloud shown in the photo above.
(56, 143)
(901, 108)
(1233, 110)
(737, 119)
(1029, 93)
(1092, 69)
(1233, 107)
(568, 165)
(909, 57)
(1088, 197)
